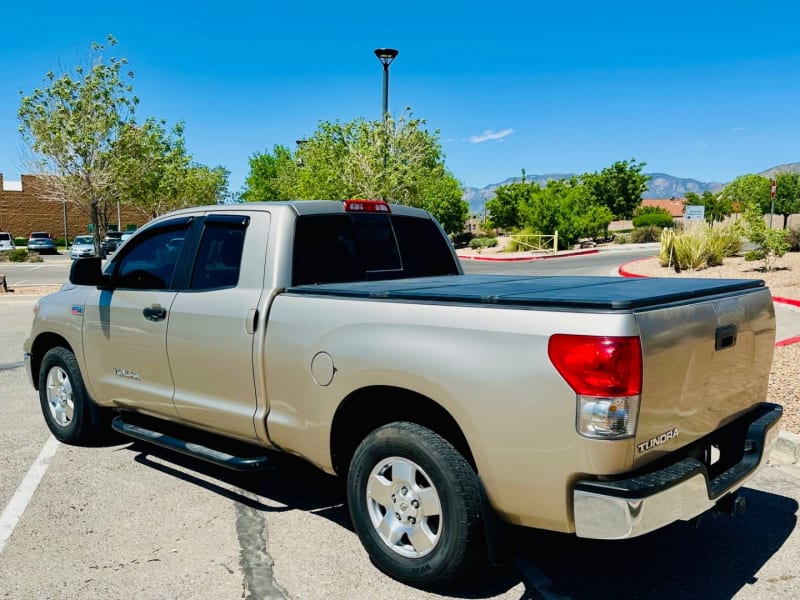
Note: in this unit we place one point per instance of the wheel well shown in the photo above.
(43, 344)
(369, 408)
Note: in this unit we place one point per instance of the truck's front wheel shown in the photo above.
(415, 504)
(64, 400)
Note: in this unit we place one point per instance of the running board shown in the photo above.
(216, 457)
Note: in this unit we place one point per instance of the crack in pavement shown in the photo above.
(11, 366)
(254, 558)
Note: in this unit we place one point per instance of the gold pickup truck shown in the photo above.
(347, 334)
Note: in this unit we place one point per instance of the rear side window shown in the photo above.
(219, 258)
(5, 237)
(363, 247)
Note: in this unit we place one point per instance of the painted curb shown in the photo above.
(528, 258)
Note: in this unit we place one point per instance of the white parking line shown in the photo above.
(19, 501)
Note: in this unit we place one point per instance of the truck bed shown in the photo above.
(567, 292)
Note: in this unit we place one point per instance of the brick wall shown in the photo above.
(22, 212)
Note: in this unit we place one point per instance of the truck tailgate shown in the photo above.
(705, 363)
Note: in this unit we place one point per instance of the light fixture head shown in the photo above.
(386, 55)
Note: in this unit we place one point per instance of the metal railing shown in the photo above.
(537, 242)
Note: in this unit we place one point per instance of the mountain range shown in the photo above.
(660, 185)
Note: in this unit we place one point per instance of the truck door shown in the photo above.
(125, 328)
(212, 324)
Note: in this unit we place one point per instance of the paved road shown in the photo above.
(53, 269)
(126, 521)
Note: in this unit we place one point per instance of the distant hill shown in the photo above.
(661, 185)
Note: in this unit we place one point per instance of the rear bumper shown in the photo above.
(678, 491)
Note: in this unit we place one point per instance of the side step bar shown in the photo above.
(222, 459)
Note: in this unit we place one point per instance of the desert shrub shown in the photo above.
(18, 255)
(698, 246)
(647, 216)
(622, 238)
(482, 242)
(647, 233)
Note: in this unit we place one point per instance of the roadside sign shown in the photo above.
(773, 187)
(695, 212)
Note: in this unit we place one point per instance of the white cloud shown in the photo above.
(490, 135)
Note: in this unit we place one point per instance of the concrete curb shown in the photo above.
(787, 449)
(528, 258)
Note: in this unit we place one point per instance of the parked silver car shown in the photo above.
(42, 242)
(82, 246)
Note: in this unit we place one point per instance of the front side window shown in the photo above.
(150, 264)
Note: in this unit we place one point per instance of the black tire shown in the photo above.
(65, 403)
(415, 504)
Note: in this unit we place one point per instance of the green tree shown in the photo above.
(619, 187)
(566, 206)
(155, 174)
(504, 209)
(396, 160)
(71, 125)
(787, 196)
(717, 207)
(272, 175)
(749, 189)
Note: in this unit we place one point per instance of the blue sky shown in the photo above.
(708, 90)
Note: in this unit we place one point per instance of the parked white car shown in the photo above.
(6, 241)
(82, 246)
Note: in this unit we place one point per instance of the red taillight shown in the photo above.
(373, 206)
(598, 366)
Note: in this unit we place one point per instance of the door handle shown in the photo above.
(156, 312)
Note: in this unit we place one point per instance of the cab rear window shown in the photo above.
(365, 247)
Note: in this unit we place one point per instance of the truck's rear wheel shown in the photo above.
(415, 504)
(64, 400)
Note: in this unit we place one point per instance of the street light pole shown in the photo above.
(386, 56)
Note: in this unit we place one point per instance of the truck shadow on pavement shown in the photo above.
(712, 559)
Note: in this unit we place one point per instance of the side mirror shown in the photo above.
(88, 271)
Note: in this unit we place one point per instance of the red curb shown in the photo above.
(787, 341)
(789, 301)
(528, 258)
(779, 299)
(626, 273)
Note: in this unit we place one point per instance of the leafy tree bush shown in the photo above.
(618, 187)
(654, 216)
(647, 233)
(394, 159)
(771, 243)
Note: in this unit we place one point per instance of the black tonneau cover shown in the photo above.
(599, 293)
